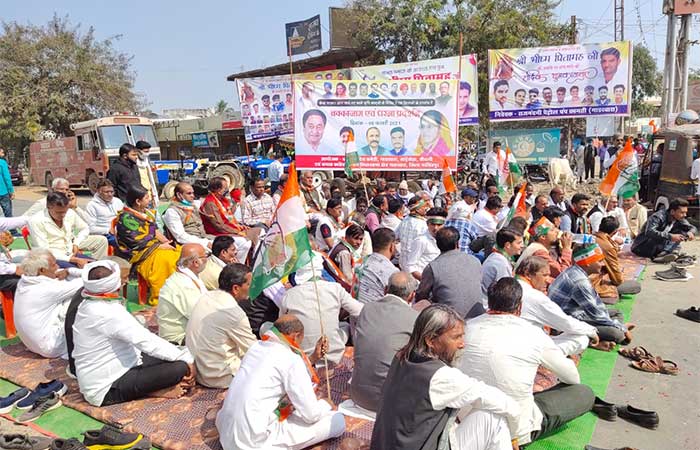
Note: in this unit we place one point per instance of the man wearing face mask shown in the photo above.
(182, 218)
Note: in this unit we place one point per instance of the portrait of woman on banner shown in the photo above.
(435, 138)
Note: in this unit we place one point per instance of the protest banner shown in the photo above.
(390, 131)
(266, 107)
(531, 146)
(424, 79)
(557, 82)
(419, 79)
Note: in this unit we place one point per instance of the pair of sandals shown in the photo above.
(646, 362)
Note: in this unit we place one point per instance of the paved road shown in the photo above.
(675, 398)
(25, 196)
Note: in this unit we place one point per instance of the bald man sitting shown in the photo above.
(180, 293)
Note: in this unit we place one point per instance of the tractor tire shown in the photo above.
(236, 178)
(169, 189)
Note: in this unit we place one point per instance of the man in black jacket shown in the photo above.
(124, 173)
(664, 231)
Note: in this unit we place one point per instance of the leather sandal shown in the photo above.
(636, 353)
(656, 365)
(691, 313)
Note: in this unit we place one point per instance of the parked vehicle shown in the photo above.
(16, 176)
(84, 158)
(674, 181)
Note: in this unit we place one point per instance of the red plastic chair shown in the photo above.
(25, 235)
(8, 300)
(142, 290)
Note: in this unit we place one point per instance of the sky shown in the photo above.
(184, 50)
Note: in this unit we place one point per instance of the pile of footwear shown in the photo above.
(679, 263)
(110, 437)
(45, 397)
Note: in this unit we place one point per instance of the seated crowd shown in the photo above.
(451, 309)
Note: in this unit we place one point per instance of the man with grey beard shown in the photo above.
(424, 393)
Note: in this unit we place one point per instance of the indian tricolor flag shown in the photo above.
(623, 175)
(448, 182)
(519, 206)
(351, 156)
(285, 247)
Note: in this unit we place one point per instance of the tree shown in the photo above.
(693, 74)
(410, 30)
(646, 81)
(55, 75)
(220, 107)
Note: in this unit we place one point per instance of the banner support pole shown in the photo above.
(323, 333)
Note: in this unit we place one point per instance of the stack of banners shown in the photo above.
(556, 82)
(267, 102)
(387, 132)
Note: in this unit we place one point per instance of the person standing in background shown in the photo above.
(146, 170)
(275, 171)
(7, 191)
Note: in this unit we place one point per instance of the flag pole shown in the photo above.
(510, 175)
(323, 333)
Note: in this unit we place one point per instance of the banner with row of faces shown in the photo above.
(267, 105)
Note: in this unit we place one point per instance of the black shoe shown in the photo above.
(684, 262)
(604, 410)
(646, 419)
(664, 258)
(23, 442)
(67, 444)
(590, 447)
(110, 437)
(673, 274)
(691, 313)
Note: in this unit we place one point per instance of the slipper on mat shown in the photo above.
(635, 353)
(656, 365)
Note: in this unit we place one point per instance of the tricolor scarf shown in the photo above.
(588, 255)
(285, 406)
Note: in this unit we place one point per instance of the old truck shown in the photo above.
(85, 157)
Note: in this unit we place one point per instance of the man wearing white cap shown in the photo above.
(116, 359)
(404, 193)
(464, 209)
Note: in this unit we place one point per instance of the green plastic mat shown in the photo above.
(596, 369)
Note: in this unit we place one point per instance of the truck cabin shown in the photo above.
(667, 165)
(107, 134)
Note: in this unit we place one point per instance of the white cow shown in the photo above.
(560, 172)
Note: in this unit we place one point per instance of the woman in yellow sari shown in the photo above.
(149, 252)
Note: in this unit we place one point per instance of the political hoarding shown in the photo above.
(579, 80)
(303, 36)
(386, 130)
(266, 107)
(530, 146)
(409, 80)
(425, 78)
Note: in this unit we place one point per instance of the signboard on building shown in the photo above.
(200, 140)
(579, 80)
(391, 132)
(532, 146)
(303, 36)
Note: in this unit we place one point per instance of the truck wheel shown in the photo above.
(169, 189)
(92, 180)
(48, 179)
(235, 178)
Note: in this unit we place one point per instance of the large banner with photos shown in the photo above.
(388, 131)
(265, 101)
(580, 80)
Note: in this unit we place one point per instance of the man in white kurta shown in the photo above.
(424, 249)
(270, 372)
(180, 292)
(41, 301)
(539, 310)
(301, 301)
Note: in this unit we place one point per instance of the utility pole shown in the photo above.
(573, 39)
(620, 36)
(683, 57)
(669, 74)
